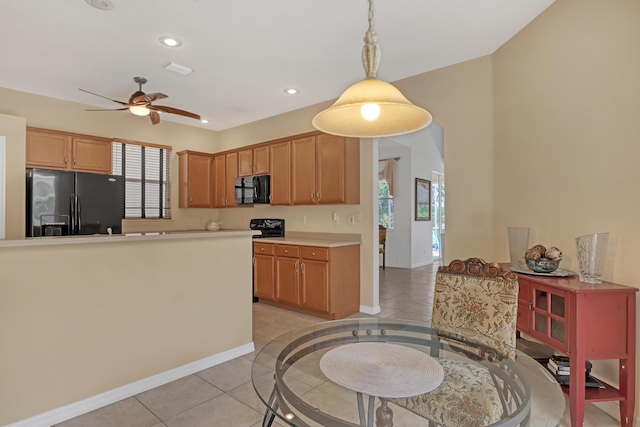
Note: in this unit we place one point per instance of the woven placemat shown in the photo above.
(382, 369)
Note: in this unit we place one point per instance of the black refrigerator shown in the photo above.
(61, 203)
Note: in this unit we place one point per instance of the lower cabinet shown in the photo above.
(317, 280)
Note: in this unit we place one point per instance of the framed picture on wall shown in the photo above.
(423, 199)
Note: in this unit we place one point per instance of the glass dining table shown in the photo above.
(357, 372)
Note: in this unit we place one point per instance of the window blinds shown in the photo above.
(147, 174)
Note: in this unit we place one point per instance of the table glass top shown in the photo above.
(296, 391)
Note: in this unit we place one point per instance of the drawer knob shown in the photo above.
(313, 253)
(262, 249)
(286, 251)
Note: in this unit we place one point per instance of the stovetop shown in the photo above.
(268, 226)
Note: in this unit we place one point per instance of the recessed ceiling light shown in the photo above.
(291, 91)
(170, 41)
(204, 121)
(100, 4)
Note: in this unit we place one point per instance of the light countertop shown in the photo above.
(104, 238)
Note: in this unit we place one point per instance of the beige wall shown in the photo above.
(80, 320)
(567, 140)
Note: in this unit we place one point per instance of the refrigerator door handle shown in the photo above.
(79, 210)
(72, 202)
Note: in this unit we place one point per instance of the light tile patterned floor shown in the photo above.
(223, 396)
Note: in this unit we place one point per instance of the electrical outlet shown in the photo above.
(350, 220)
(303, 219)
(356, 217)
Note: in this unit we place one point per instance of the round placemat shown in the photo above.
(382, 369)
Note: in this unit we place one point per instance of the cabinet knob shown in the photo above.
(65, 160)
(313, 197)
(262, 249)
(74, 161)
(313, 253)
(286, 251)
(190, 201)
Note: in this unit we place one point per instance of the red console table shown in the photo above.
(586, 322)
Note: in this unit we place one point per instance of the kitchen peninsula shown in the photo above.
(89, 320)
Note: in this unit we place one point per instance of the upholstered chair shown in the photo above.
(481, 297)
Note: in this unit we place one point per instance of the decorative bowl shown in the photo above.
(543, 265)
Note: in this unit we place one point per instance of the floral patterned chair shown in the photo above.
(479, 296)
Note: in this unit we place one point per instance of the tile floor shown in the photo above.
(223, 396)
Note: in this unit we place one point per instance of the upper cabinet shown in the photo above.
(253, 161)
(59, 150)
(325, 170)
(194, 189)
(280, 155)
(225, 171)
(314, 168)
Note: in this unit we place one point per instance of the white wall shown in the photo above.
(409, 244)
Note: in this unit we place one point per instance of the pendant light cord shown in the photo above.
(371, 51)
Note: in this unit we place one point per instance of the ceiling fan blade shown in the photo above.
(174, 111)
(114, 100)
(109, 109)
(155, 117)
(148, 98)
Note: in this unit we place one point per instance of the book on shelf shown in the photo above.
(561, 363)
(563, 370)
(589, 381)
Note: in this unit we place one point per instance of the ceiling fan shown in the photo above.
(140, 104)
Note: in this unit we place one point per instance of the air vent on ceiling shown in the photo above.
(180, 69)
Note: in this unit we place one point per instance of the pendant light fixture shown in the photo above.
(371, 108)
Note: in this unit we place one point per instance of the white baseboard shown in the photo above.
(612, 408)
(369, 310)
(75, 409)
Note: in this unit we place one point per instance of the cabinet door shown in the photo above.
(219, 185)
(303, 170)
(315, 285)
(47, 150)
(91, 155)
(549, 315)
(261, 160)
(280, 159)
(231, 173)
(245, 162)
(286, 289)
(263, 276)
(199, 166)
(330, 169)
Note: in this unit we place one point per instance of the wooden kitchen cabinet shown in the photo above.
(585, 322)
(280, 165)
(314, 283)
(67, 151)
(287, 278)
(325, 170)
(263, 270)
(194, 179)
(225, 171)
(253, 161)
(317, 280)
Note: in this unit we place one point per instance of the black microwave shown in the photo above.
(253, 190)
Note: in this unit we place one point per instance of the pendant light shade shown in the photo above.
(371, 108)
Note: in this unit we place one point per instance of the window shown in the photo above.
(385, 205)
(147, 174)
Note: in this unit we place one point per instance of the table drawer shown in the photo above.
(263, 248)
(287, 251)
(309, 252)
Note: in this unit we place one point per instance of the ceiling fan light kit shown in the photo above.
(371, 108)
